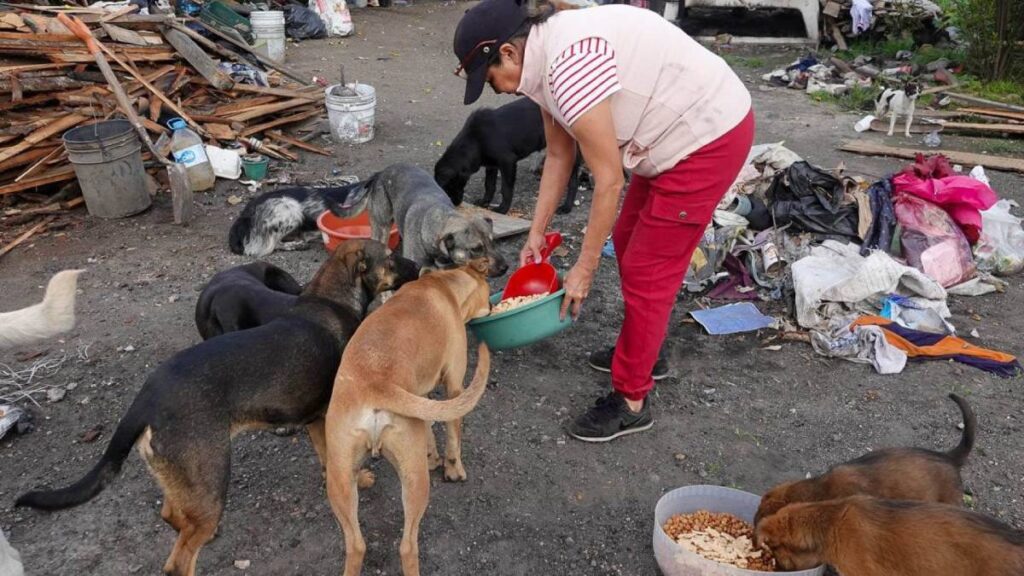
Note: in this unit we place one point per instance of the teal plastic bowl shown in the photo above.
(521, 326)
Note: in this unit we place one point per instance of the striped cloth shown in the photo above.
(583, 76)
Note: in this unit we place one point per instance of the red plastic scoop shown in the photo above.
(538, 277)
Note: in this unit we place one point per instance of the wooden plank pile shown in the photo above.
(49, 84)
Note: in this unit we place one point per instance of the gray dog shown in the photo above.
(434, 234)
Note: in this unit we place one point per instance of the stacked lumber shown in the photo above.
(49, 83)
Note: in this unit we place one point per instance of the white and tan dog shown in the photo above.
(53, 316)
(412, 344)
(898, 102)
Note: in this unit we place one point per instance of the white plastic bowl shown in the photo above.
(674, 560)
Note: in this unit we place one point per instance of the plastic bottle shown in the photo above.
(187, 149)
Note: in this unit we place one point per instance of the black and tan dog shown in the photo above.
(244, 297)
(379, 405)
(497, 139)
(892, 473)
(278, 374)
(864, 536)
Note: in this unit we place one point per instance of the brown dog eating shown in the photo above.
(414, 342)
(893, 473)
(863, 536)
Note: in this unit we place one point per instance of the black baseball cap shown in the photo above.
(482, 30)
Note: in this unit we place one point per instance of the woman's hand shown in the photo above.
(577, 288)
(530, 254)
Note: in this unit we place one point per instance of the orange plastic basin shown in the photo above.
(336, 230)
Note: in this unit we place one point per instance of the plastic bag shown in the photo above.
(961, 196)
(1001, 247)
(335, 16)
(812, 200)
(302, 23)
(932, 242)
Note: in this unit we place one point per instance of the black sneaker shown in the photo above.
(601, 361)
(610, 418)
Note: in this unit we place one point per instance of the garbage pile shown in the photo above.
(865, 267)
(843, 19)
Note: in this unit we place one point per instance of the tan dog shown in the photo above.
(413, 343)
(863, 536)
(893, 473)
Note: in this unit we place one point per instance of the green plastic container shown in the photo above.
(255, 166)
(227, 20)
(521, 326)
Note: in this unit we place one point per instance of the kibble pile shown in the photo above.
(719, 537)
(516, 302)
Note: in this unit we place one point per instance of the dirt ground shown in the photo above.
(536, 502)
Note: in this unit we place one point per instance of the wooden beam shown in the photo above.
(27, 157)
(986, 103)
(1004, 114)
(197, 57)
(265, 109)
(274, 134)
(981, 128)
(280, 122)
(316, 96)
(124, 35)
(966, 158)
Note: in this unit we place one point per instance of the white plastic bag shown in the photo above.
(1000, 250)
(335, 15)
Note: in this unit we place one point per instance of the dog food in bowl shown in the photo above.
(721, 537)
(516, 302)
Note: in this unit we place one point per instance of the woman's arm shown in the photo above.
(558, 163)
(595, 133)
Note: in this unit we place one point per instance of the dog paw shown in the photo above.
(433, 461)
(563, 210)
(482, 203)
(365, 478)
(454, 472)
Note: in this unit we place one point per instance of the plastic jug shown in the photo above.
(187, 149)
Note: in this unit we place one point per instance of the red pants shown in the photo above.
(661, 224)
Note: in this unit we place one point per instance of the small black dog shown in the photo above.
(497, 139)
(244, 297)
(269, 220)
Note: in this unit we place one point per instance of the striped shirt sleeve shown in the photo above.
(583, 76)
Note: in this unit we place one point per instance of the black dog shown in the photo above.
(497, 139)
(244, 297)
(270, 219)
(278, 374)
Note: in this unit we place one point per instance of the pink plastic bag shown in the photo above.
(932, 242)
(962, 197)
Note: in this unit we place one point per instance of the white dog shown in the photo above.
(54, 315)
(897, 102)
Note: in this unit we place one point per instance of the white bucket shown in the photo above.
(268, 26)
(352, 116)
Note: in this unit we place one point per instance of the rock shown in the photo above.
(173, 298)
(56, 394)
(92, 434)
(242, 564)
(974, 333)
(679, 457)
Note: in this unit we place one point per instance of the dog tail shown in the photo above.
(958, 455)
(347, 201)
(128, 431)
(401, 401)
